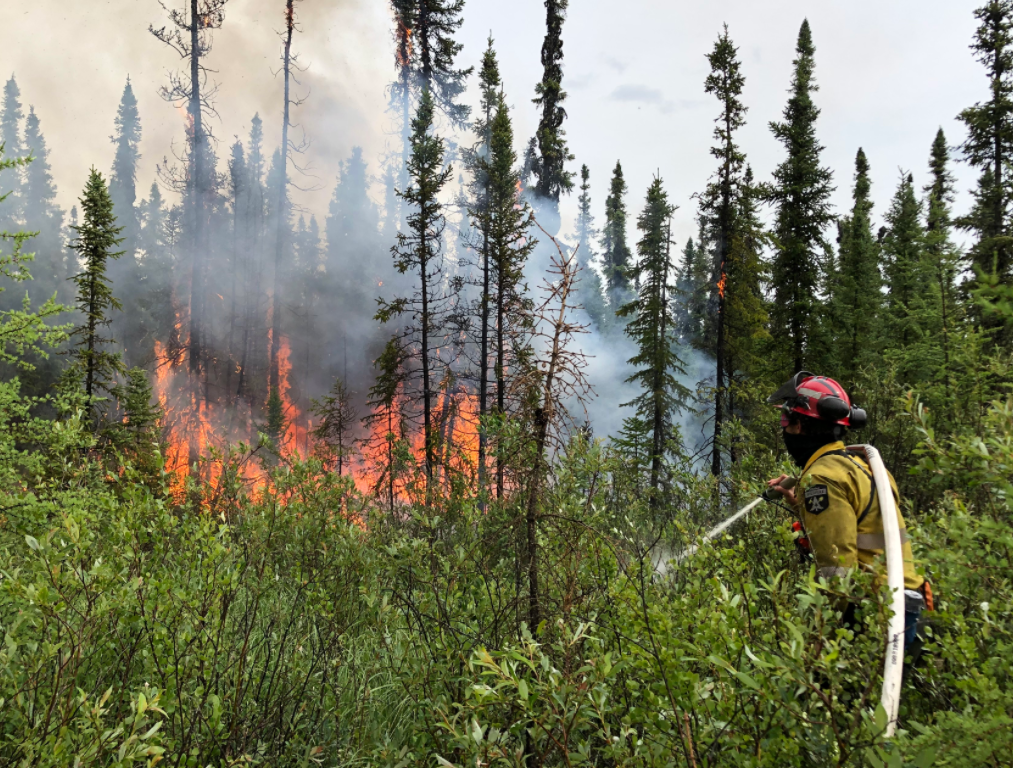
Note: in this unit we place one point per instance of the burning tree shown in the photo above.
(282, 215)
(190, 37)
(720, 204)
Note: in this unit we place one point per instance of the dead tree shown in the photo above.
(289, 63)
(190, 36)
(554, 376)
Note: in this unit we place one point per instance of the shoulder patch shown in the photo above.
(816, 499)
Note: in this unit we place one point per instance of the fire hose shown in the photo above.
(893, 665)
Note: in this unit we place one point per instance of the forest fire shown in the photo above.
(456, 424)
(194, 426)
(722, 283)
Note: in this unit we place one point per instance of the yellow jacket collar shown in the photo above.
(837, 445)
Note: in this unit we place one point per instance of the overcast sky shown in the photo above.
(890, 73)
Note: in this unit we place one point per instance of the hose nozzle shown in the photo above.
(772, 495)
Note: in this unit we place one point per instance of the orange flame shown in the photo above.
(296, 435)
(403, 52)
(721, 284)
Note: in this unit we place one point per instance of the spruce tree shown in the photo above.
(553, 154)
(276, 425)
(692, 296)
(11, 178)
(801, 194)
(139, 431)
(746, 310)
(720, 204)
(652, 328)
(529, 163)
(238, 192)
(989, 144)
(97, 237)
(510, 245)
(155, 301)
(428, 51)
(590, 293)
(123, 179)
(337, 416)
(128, 273)
(420, 252)
(942, 255)
(907, 316)
(615, 252)
(281, 199)
(42, 214)
(352, 219)
(857, 297)
(483, 166)
(385, 419)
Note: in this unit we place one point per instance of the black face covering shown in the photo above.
(802, 447)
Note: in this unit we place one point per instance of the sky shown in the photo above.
(889, 73)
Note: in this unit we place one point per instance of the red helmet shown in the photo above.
(817, 397)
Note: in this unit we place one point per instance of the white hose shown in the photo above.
(893, 666)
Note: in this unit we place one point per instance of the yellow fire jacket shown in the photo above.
(839, 507)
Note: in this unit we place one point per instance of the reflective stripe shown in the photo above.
(832, 570)
(877, 540)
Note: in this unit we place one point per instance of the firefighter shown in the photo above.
(835, 495)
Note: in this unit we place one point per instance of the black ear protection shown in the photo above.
(835, 409)
(859, 418)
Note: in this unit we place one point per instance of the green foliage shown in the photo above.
(23, 333)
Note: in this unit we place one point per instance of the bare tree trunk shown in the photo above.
(658, 441)
(197, 204)
(483, 367)
(427, 399)
(282, 198)
(500, 376)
